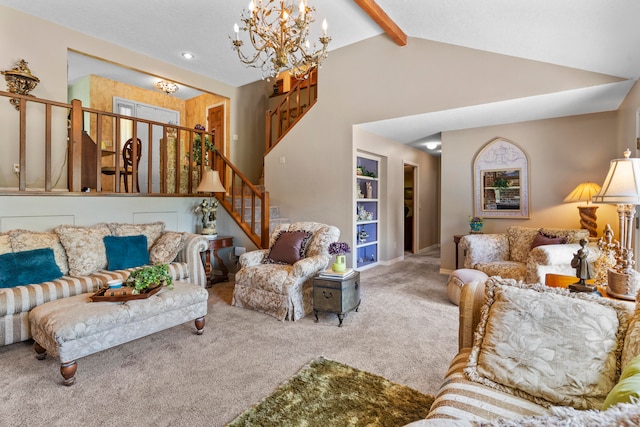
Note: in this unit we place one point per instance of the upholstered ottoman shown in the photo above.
(458, 278)
(74, 327)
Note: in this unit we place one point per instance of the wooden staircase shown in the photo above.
(293, 106)
(246, 203)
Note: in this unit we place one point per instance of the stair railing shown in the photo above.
(293, 106)
(85, 165)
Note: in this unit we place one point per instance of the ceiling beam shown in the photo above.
(382, 19)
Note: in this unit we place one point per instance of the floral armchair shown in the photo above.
(524, 253)
(279, 280)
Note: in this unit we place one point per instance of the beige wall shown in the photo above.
(562, 153)
(44, 46)
(368, 81)
(375, 80)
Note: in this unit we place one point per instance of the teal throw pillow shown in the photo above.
(28, 267)
(126, 251)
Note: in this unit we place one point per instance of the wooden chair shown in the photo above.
(126, 168)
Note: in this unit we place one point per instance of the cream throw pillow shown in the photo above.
(84, 247)
(5, 244)
(166, 248)
(632, 339)
(152, 230)
(25, 240)
(548, 345)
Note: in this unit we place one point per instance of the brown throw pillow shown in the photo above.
(288, 248)
(542, 239)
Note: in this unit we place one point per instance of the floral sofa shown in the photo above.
(524, 253)
(81, 265)
(519, 364)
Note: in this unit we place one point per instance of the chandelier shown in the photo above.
(167, 87)
(280, 38)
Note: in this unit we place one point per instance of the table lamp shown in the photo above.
(210, 183)
(584, 192)
(622, 187)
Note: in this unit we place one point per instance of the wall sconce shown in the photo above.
(167, 87)
(20, 81)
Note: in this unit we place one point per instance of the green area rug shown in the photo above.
(327, 393)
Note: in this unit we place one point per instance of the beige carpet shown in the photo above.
(405, 331)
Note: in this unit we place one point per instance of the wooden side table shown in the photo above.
(215, 244)
(456, 240)
(336, 295)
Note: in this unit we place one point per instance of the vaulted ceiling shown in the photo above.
(592, 35)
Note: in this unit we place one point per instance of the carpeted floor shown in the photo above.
(328, 393)
(405, 331)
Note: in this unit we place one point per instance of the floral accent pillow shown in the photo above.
(166, 248)
(520, 239)
(25, 240)
(152, 230)
(624, 414)
(548, 345)
(85, 247)
(632, 339)
(5, 244)
(289, 248)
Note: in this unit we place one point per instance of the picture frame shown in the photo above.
(501, 180)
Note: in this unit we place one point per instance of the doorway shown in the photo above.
(409, 208)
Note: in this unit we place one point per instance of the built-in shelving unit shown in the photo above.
(367, 210)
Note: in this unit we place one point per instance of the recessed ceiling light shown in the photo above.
(432, 145)
(187, 55)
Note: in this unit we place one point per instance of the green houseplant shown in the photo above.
(197, 146)
(149, 277)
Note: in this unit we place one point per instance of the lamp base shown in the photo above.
(588, 219)
(209, 231)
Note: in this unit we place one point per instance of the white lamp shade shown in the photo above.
(622, 184)
(210, 183)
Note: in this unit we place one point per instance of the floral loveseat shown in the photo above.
(530, 355)
(79, 258)
(524, 253)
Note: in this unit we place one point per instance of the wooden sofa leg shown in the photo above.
(41, 352)
(199, 325)
(68, 371)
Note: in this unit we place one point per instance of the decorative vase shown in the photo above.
(340, 265)
(476, 227)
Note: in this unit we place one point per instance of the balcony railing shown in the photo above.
(172, 160)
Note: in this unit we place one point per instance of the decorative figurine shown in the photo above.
(208, 210)
(583, 269)
(359, 191)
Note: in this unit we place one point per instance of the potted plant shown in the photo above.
(339, 249)
(149, 277)
(197, 146)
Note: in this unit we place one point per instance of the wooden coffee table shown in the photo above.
(562, 281)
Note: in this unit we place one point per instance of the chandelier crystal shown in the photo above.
(280, 39)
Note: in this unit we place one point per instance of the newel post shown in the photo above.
(74, 146)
